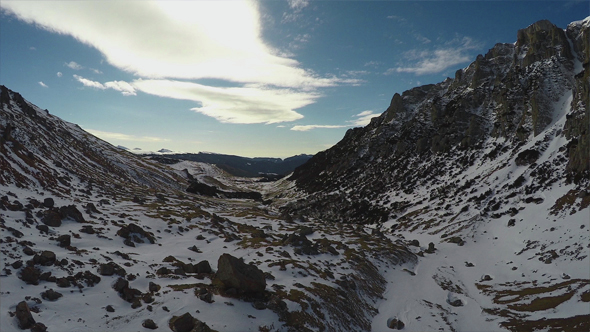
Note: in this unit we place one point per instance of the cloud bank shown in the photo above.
(168, 43)
(362, 119)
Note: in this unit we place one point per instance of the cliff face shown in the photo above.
(500, 103)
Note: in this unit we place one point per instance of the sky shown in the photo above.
(249, 78)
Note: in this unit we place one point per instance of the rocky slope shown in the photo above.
(495, 160)
(93, 238)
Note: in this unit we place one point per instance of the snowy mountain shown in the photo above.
(493, 168)
(463, 207)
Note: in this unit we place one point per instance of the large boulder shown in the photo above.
(187, 323)
(132, 232)
(24, 316)
(72, 212)
(232, 272)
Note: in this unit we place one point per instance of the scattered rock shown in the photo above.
(111, 268)
(110, 308)
(42, 228)
(130, 232)
(24, 316)
(234, 273)
(486, 277)
(51, 295)
(203, 267)
(62, 282)
(48, 202)
(207, 297)
(72, 212)
(28, 251)
(258, 305)
(187, 323)
(51, 218)
(153, 287)
(64, 240)
(395, 324)
(431, 249)
(38, 327)
(415, 243)
(30, 275)
(149, 324)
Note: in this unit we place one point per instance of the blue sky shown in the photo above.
(250, 78)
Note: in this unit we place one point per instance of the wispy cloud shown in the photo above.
(438, 60)
(73, 65)
(125, 88)
(249, 104)
(360, 120)
(42, 84)
(310, 127)
(172, 41)
(106, 135)
(59, 74)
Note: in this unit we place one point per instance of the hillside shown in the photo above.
(492, 168)
(463, 207)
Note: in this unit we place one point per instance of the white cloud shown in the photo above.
(42, 84)
(124, 137)
(59, 74)
(298, 4)
(167, 41)
(432, 62)
(249, 104)
(73, 65)
(125, 88)
(32, 48)
(310, 127)
(96, 71)
(362, 119)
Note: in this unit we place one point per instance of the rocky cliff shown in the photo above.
(498, 104)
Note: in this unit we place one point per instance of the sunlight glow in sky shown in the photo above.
(251, 78)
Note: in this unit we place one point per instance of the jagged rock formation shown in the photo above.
(501, 101)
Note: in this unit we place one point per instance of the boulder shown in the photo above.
(51, 218)
(149, 324)
(187, 323)
(203, 267)
(48, 202)
(130, 232)
(51, 295)
(64, 240)
(72, 212)
(30, 275)
(24, 316)
(234, 273)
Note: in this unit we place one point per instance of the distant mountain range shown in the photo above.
(239, 166)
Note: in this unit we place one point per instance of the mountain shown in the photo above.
(492, 169)
(96, 238)
(241, 166)
(463, 207)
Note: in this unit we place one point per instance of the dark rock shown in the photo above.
(149, 324)
(51, 218)
(48, 202)
(110, 308)
(24, 316)
(62, 282)
(163, 271)
(147, 298)
(30, 275)
(258, 305)
(187, 323)
(72, 212)
(64, 240)
(207, 297)
(91, 208)
(28, 251)
(203, 267)
(200, 237)
(128, 232)
(234, 273)
(395, 324)
(415, 243)
(17, 264)
(46, 258)
(527, 157)
(153, 287)
(431, 249)
(120, 285)
(111, 268)
(42, 228)
(87, 229)
(51, 295)
(38, 327)
(195, 249)
(455, 302)
(129, 294)
(486, 278)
